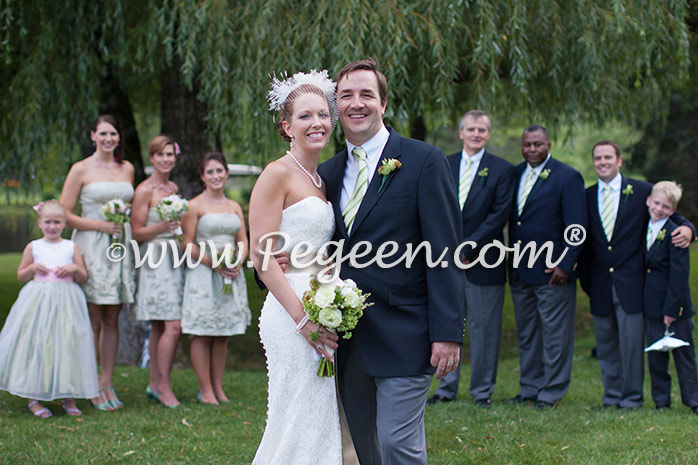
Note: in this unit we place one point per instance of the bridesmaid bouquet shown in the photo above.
(337, 306)
(116, 211)
(228, 256)
(171, 208)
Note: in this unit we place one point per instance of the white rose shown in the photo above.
(324, 296)
(330, 318)
(350, 283)
(351, 298)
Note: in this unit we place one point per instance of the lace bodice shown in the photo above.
(95, 194)
(309, 220)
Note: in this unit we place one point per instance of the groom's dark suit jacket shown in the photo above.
(486, 211)
(620, 262)
(416, 305)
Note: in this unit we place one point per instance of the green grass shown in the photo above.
(578, 431)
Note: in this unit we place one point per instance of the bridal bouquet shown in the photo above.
(116, 211)
(171, 208)
(337, 306)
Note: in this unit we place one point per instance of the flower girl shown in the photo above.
(46, 345)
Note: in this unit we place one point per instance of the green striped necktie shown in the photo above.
(360, 188)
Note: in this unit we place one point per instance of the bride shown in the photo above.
(303, 422)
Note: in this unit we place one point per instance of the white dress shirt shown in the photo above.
(655, 228)
(615, 185)
(526, 173)
(374, 149)
(475, 163)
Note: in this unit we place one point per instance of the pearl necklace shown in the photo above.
(317, 183)
(164, 187)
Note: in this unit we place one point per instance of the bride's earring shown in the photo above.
(291, 143)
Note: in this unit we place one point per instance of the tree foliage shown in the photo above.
(668, 149)
(558, 61)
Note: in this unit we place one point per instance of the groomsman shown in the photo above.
(549, 207)
(612, 273)
(485, 192)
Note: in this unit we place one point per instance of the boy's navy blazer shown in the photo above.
(620, 262)
(553, 205)
(414, 305)
(666, 283)
(485, 213)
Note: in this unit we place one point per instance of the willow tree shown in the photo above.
(209, 61)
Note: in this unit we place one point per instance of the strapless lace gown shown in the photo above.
(206, 309)
(108, 282)
(303, 426)
(160, 288)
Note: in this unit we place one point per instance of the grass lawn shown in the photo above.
(578, 431)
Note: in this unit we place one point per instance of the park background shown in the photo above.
(199, 70)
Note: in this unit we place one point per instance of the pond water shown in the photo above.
(18, 226)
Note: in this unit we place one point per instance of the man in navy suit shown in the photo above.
(549, 208)
(612, 274)
(485, 192)
(416, 325)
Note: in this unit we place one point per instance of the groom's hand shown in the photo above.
(445, 357)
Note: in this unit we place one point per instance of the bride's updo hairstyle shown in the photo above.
(284, 92)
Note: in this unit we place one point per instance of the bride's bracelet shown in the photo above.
(302, 323)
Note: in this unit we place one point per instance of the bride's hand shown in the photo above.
(325, 339)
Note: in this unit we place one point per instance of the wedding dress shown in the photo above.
(303, 426)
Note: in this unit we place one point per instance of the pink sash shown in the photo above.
(52, 278)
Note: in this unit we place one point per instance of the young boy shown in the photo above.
(667, 300)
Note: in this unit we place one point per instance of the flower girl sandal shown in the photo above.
(43, 412)
(72, 411)
(114, 403)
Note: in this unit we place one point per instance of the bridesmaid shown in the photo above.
(101, 177)
(209, 314)
(159, 296)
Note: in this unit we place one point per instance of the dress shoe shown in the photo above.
(666, 407)
(519, 399)
(484, 403)
(435, 399)
(695, 409)
(629, 407)
(609, 405)
(543, 405)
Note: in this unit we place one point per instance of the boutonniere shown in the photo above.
(627, 192)
(386, 169)
(661, 235)
(484, 172)
(544, 174)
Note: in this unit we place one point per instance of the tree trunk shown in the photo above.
(115, 102)
(418, 130)
(183, 117)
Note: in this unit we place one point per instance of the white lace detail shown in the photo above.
(302, 418)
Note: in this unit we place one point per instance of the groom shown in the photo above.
(416, 324)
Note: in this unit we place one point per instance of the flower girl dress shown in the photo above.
(46, 345)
